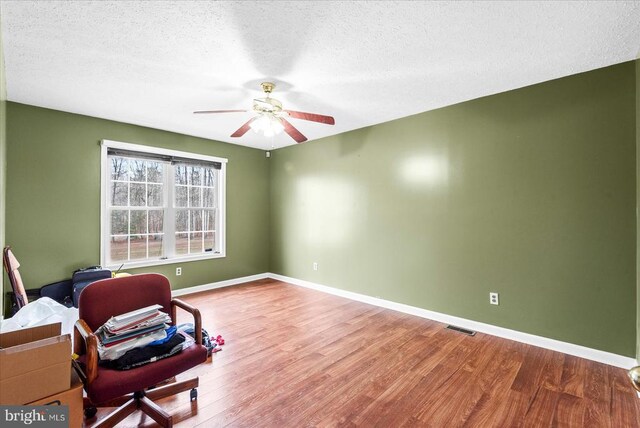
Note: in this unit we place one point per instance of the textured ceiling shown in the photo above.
(153, 63)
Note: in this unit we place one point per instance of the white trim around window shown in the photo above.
(169, 208)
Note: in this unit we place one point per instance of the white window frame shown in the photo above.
(105, 230)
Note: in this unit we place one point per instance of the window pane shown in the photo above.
(119, 222)
(195, 245)
(155, 246)
(209, 221)
(196, 221)
(119, 169)
(209, 241)
(182, 243)
(195, 175)
(119, 248)
(156, 221)
(209, 197)
(182, 220)
(195, 195)
(154, 195)
(209, 177)
(138, 247)
(138, 221)
(154, 172)
(181, 174)
(137, 170)
(118, 195)
(181, 196)
(138, 195)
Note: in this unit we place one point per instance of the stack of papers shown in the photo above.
(131, 330)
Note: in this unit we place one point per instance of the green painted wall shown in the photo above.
(53, 196)
(530, 193)
(3, 163)
(638, 207)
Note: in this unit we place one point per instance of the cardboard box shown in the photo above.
(34, 363)
(72, 397)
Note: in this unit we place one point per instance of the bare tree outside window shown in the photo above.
(194, 230)
(137, 190)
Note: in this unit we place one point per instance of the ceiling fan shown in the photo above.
(271, 118)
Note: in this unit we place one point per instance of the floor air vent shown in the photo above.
(461, 330)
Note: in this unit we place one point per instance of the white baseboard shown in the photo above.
(543, 342)
(219, 284)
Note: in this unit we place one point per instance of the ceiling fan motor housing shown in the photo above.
(267, 105)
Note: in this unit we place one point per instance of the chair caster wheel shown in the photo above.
(194, 394)
(90, 412)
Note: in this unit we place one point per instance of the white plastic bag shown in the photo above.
(41, 312)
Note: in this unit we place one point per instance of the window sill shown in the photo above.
(160, 262)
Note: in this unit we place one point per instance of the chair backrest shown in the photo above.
(11, 266)
(103, 299)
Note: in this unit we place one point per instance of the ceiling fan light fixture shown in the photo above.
(276, 125)
(267, 124)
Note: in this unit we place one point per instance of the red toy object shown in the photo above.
(219, 340)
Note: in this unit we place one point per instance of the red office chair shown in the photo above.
(127, 389)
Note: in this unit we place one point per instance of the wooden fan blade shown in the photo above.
(312, 117)
(293, 132)
(218, 111)
(243, 129)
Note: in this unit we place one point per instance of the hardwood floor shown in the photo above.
(296, 357)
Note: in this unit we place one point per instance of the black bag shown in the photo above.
(147, 354)
(83, 277)
(61, 292)
(206, 340)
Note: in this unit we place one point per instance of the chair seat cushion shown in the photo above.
(112, 383)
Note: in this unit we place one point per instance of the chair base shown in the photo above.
(142, 400)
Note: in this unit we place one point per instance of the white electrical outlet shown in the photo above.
(494, 299)
(178, 271)
(315, 266)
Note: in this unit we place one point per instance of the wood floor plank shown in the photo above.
(596, 415)
(532, 371)
(437, 411)
(570, 411)
(573, 376)
(296, 357)
(552, 371)
(513, 411)
(623, 409)
(541, 412)
(496, 382)
(596, 385)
